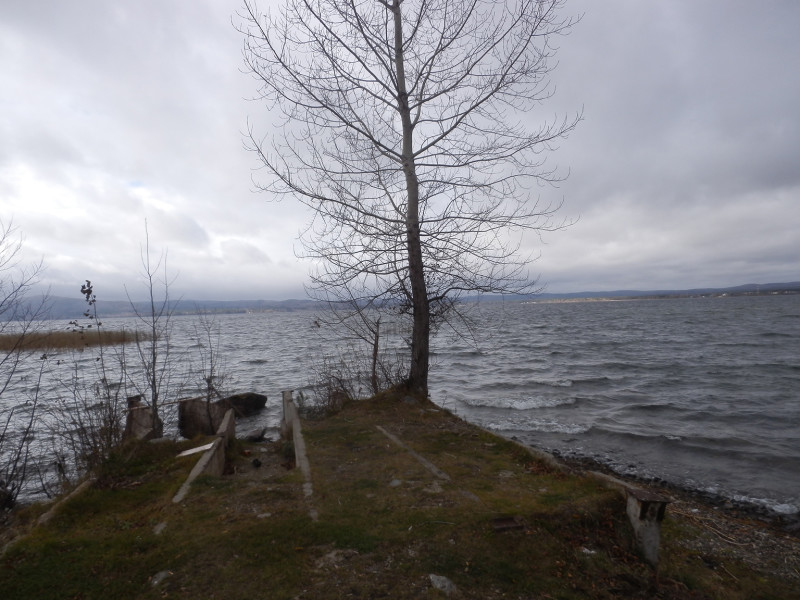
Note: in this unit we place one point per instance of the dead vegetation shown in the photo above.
(70, 339)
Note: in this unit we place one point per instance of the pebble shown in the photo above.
(443, 584)
(159, 577)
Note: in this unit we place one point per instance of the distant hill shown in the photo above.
(73, 308)
(749, 289)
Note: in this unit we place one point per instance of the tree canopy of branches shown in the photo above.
(403, 129)
(20, 316)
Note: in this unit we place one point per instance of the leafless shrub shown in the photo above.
(354, 372)
(87, 421)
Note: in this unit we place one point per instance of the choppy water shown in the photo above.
(703, 393)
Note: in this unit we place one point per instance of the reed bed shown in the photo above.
(60, 340)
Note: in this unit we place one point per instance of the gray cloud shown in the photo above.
(683, 172)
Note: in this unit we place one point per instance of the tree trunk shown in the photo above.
(375, 349)
(420, 334)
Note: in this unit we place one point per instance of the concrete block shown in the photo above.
(196, 416)
(140, 423)
(227, 428)
(646, 512)
(212, 462)
(289, 415)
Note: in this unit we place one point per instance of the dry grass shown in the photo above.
(61, 340)
(386, 522)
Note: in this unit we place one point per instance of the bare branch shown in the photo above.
(404, 129)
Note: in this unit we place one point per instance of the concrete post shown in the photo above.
(289, 415)
(291, 431)
(140, 423)
(227, 429)
(646, 511)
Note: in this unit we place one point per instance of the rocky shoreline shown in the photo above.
(786, 523)
(750, 533)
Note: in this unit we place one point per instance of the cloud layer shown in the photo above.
(683, 172)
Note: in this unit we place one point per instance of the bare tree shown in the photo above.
(20, 315)
(210, 368)
(155, 348)
(404, 131)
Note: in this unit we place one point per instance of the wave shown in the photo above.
(537, 425)
(524, 403)
(776, 334)
(558, 383)
(782, 508)
(596, 379)
(533, 365)
(525, 383)
(748, 457)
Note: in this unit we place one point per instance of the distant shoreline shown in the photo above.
(677, 296)
(70, 308)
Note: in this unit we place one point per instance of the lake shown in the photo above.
(703, 393)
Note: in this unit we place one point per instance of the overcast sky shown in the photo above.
(685, 171)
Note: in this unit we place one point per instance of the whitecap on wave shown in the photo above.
(524, 403)
(540, 425)
(780, 508)
(552, 382)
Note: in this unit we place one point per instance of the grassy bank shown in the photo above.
(401, 491)
(64, 340)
